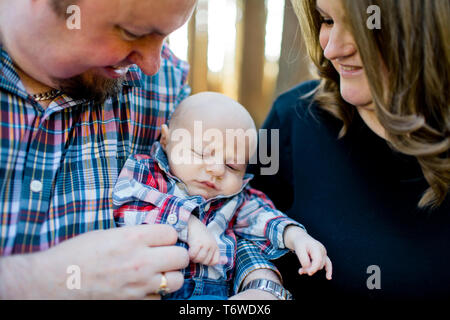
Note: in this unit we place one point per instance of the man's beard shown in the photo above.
(90, 86)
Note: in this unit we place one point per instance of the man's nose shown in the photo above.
(147, 55)
(340, 44)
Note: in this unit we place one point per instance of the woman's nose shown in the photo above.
(340, 44)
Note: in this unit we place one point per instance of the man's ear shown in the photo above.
(165, 136)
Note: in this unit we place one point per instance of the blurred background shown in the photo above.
(250, 50)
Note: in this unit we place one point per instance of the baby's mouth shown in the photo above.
(209, 184)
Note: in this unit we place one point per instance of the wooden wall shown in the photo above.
(254, 81)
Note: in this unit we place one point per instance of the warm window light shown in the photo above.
(179, 42)
(221, 33)
(220, 20)
(274, 29)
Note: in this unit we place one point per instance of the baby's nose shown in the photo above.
(215, 169)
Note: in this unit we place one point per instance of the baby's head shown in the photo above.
(209, 141)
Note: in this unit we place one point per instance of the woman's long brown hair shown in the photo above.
(412, 101)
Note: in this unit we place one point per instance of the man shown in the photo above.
(74, 104)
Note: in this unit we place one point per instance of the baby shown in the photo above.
(195, 180)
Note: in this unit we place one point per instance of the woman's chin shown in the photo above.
(356, 98)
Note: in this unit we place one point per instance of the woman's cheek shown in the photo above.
(324, 35)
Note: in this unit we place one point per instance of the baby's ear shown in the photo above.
(165, 133)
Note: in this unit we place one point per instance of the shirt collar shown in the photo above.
(158, 153)
(133, 77)
(9, 79)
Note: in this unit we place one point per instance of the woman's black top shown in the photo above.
(359, 198)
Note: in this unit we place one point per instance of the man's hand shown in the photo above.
(310, 252)
(203, 247)
(122, 263)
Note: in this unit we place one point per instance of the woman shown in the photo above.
(364, 151)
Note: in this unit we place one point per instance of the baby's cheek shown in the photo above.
(236, 184)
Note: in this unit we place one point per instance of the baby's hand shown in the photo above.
(203, 247)
(310, 252)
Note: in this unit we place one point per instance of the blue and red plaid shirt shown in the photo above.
(58, 165)
(147, 192)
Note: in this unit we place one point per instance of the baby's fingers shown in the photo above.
(193, 252)
(216, 257)
(213, 257)
(201, 256)
(209, 257)
(303, 257)
(328, 268)
(317, 262)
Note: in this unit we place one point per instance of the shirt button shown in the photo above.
(36, 186)
(207, 206)
(172, 218)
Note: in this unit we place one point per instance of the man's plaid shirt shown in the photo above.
(147, 192)
(58, 165)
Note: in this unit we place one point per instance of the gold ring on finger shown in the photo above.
(163, 289)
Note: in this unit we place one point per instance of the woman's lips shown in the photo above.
(348, 71)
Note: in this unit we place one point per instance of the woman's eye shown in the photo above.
(327, 21)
